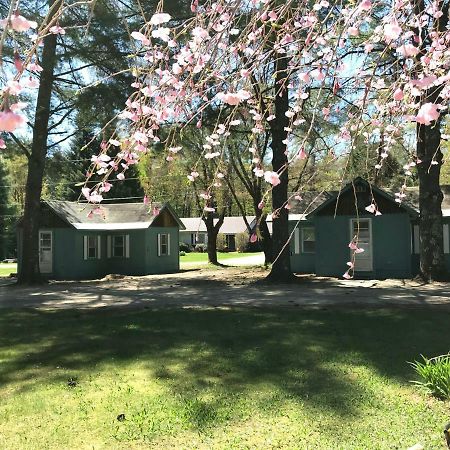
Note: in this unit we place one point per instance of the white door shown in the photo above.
(45, 252)
(362, 229)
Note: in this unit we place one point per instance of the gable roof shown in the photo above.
(360, 181)
(231, 224)
(114, 216)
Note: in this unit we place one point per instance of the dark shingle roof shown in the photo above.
(109, 216)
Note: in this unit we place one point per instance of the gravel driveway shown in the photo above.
(222, 288)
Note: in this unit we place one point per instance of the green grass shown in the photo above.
(203, 257)
(218, 379)
(6, 269)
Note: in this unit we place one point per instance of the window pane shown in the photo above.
(163, 244)
(309, 246)
(119, 246)
(309, 240)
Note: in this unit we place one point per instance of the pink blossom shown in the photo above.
(302, 154)
(19, 23)
(253, 238)
(392, 31)
(162, 33)
(304, 76)
(428, 113)
(425, 82)
(353, 31)
(398, 94)
(35, 67)
(365, 5)
(159, 18)
(350, 264)
(10, 121)
(407, 50)
(146, 200)
(120, 176)
(347, 276)
(57, 30)
(2, 144)
(272, 177)
(140, 37)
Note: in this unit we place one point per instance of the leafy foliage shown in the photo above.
(435, 375)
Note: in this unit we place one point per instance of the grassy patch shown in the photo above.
(6, 269)
(203, 257)
(218, 379)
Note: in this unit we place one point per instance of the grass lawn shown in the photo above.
(6, 269)
(331, 379)
(203, 257)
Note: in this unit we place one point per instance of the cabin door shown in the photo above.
(45, 251)
(362, 229)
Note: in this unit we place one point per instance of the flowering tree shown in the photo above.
(379, 65)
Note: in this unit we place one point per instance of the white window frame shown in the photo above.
(160, 244)
(110, 246)
(303, 240)
(98, 247)
(416, 239)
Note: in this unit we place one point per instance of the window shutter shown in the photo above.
(297, 241)
(168, 244)
(446, 238)
(159, 244)
(85, 247)
(416, 240)
(99, 247)
(108, 246)
(127, 246)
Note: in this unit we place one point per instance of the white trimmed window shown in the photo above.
(416, 239)
(118, 246)
(308, 240)
(91, 247)
(163, 244)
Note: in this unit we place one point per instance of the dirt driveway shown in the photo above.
(222, 288)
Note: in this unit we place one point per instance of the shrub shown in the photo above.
(182, 253)
(243, 244)
(221, 243)
(185, 247)
(201, 248)
(435, 375)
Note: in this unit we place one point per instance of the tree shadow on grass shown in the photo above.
(293, 354)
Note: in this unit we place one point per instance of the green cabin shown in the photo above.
(323, 224)
(84, 241)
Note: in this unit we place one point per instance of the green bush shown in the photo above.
(182, 253)
(185, 247)
(435, 375)
(201, 248)
(221, 243)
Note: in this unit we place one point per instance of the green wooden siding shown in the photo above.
(391, 243)
(301, 262)
(69, 262)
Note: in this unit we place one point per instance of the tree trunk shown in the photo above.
(212, 232)
(29, 269)
(432, 260)
(265, 237)
(281, 267)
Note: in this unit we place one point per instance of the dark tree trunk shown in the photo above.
(281, 267)
(29, 269)
(432, 260)
(212, 230)
(265, 237)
